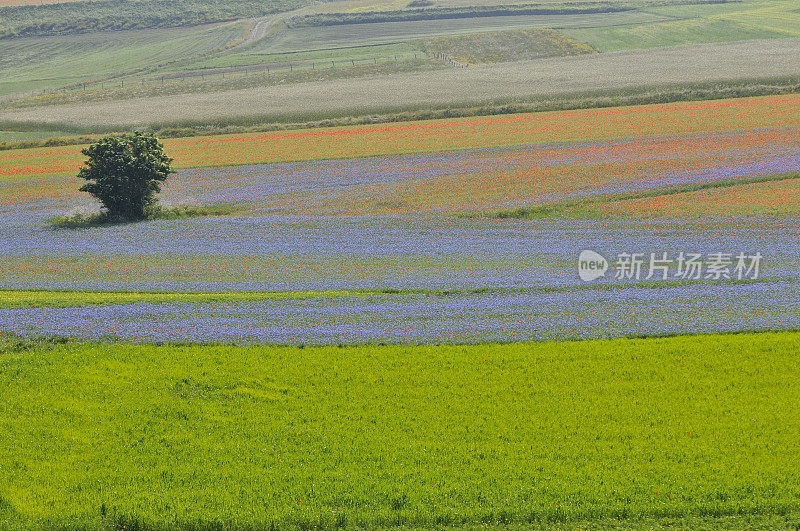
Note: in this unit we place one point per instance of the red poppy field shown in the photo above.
(439, 135)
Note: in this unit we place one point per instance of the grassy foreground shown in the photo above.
(690, 428)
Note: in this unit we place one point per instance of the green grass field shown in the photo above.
(694, 429)
(46, 62)
(670, 33)
(303, 58)
(696, 24)
(69, 18)
(304, 38)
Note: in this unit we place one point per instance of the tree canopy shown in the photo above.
(125, 173)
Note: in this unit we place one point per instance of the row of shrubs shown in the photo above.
(46, 142)
(418, 11)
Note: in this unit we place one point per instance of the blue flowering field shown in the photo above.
(463, 246)
(574, 333)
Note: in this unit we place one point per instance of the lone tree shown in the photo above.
(124, 173)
